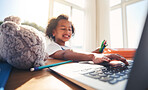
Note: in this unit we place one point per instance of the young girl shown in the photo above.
(60, 30)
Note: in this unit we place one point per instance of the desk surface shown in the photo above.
(39, 80)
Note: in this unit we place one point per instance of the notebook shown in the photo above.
(111, 77)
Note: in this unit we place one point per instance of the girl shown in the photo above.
(60, 30)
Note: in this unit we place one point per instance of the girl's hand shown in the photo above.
(96, 51)
(108, 58)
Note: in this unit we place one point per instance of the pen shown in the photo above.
(47, 66)
(103, 45)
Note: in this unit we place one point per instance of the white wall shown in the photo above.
(97, 24)
(102, 11)
(90, 26)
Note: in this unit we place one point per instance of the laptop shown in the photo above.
(111, 77)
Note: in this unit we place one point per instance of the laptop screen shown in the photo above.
(138, 77)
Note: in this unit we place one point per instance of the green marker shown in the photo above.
(103, 45)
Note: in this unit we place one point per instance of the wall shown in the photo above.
(90, 26)
(97, 24)
(102, 13)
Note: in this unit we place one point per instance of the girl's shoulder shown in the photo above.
(54, 44)
(65, 47)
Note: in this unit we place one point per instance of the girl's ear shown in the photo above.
(53, 33)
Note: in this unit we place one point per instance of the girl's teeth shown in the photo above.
(65, 35)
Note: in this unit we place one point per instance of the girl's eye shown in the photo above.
(63, 29)
(70, 29)
(66, 29)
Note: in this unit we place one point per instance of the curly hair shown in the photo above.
(52, 24)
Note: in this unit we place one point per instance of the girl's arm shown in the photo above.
(96, 58)
(96, 51)
(72, 55)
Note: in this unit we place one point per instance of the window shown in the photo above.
(76, 14)
(78, 20)
(60, 8)
(33, 11)
(114, 2)
(116, 28)
(127, 18)
(135, 22)
(79, 3)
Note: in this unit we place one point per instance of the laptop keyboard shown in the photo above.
(110, 74)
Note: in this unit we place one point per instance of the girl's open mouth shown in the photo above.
(66, 36)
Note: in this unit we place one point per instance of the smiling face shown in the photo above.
(63, 32)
